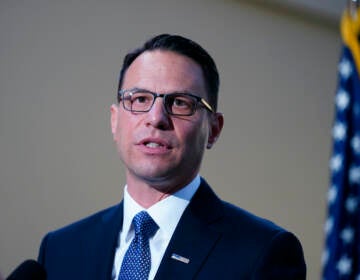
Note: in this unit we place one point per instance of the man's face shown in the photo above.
(162, 150)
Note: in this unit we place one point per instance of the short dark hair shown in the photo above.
(183, 46)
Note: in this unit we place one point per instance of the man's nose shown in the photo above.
(157, 116)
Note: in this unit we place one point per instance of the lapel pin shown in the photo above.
(180, 258)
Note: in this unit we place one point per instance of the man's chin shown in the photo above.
(161, 180)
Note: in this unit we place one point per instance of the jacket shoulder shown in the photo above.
(240, 219)
(63, 251)
(89, 222)
(254, 247)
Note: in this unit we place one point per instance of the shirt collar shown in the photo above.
(166, 213)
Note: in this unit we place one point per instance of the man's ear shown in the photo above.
(216, 125)
(114, 111)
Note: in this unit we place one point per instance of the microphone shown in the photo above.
(28, 270)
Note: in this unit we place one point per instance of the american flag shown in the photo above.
(341, 255)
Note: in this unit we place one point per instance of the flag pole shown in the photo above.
(353, 6)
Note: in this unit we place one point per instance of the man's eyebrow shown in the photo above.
(182, 91)
(185, 91)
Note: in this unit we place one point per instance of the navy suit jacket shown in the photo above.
(221, 241)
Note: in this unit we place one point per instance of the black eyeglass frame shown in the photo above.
(199, 101)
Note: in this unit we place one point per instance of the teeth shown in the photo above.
(152, 145)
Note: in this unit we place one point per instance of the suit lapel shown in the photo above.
(106, 239)
(193, 238)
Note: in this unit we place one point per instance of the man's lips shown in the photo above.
(154, 143)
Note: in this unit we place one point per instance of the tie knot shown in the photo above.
(144, 224)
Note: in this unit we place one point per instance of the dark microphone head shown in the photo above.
(28, 270)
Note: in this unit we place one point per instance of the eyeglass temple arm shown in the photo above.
(207, 105)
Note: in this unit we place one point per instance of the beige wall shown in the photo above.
(59, 65)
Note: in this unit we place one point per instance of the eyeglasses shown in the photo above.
(176, 104)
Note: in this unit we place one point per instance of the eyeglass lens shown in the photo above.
(175, 104)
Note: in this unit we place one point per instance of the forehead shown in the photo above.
(165, 71)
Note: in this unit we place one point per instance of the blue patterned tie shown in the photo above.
(137, 260)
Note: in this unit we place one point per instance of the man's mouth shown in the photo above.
(153, 145)
(156, 144)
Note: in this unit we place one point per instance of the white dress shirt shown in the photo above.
(166, 213)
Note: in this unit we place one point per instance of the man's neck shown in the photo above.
(147, 194)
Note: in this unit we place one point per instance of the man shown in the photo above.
(170, 224)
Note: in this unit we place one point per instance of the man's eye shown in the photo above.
(140, 99)
(181, 102)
